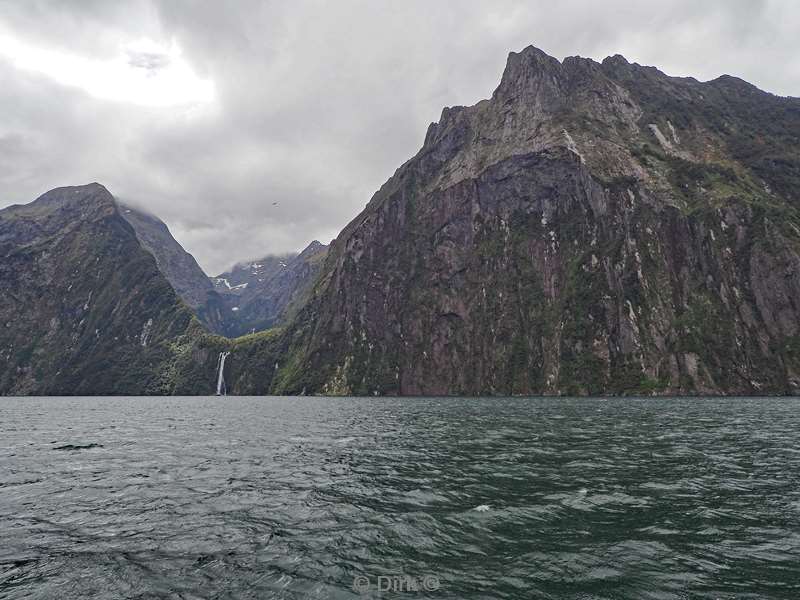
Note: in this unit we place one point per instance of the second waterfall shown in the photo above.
(221, 389)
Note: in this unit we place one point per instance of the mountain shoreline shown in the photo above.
(591, 229)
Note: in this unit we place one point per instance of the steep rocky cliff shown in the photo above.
(84, 308)
(590, 228)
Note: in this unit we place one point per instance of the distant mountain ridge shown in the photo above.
(264, 293)
(252, 297)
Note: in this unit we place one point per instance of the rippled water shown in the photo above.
(300, 497)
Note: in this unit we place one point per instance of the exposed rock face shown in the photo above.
(83, 307)
(591, 228)
(267, 292)
(179, 267)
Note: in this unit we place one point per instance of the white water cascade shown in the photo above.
(221, 391)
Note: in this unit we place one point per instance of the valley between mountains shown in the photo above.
(591, 228)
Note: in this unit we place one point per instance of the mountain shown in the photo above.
(84, 308)
(97, 297)
(592, 228)
(179, 267)
(266, 292)
(252, 296)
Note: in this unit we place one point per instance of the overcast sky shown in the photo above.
(254, 127)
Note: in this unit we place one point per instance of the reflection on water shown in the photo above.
(303, 497)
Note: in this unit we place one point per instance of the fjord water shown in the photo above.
(298, 497)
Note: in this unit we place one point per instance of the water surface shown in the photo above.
(453, 498)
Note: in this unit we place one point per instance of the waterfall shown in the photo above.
(221, 391)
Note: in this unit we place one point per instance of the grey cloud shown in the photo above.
(318, 103)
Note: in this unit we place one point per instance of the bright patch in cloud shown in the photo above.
(144, 72)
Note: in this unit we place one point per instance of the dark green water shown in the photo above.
(302, 497)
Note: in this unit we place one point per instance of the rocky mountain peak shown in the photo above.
(738, 86)
(56, 211)
(533, 75)
(574, 107)
(617, 60)
(313, 248)
(530, 73)
(85, 198)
